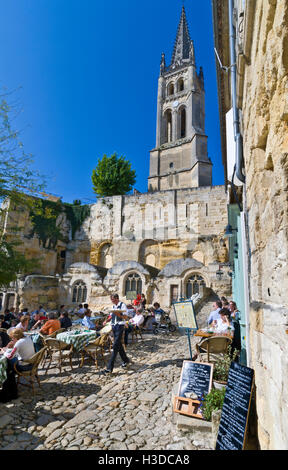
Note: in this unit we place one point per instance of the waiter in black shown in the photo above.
(118, 320)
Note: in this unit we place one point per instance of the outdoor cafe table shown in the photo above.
(77, 340)
(3, 369)
(79, 322)
(206, 334)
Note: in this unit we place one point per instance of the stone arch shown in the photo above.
(132, 282)
(79, 292)
(181, 122)
(167, 121)
(105, 255)
(194, 283)
(170, 89)
(149, 253)
(180, 85)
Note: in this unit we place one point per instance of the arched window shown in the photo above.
(181, 123)
(193, 285)
(168, 126)
(171, 89)
(106, 260)
(133, 284)
(180, 84)
(79, 292)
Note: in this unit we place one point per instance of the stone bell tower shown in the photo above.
(180, 158)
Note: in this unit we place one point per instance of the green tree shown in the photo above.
(18, 182)
(113, 176)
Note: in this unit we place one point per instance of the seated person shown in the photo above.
(51, 325)
(131, 311)
(42, 311)
(149, 319)
(4, 339)
(65, 321)
(3, 323)
(215, 315)
(157, 311)
(87, 322)
(19, 349)
(24, 322)
(81, 311)
(143, 301)
(35, 321)
(134, 322)
(137, 301)
(223, 325)
(8, 317)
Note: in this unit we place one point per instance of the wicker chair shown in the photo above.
(55, 347)
(32, 373)
(136, 332)
(209, 348)
(53, 335)
(95, 349)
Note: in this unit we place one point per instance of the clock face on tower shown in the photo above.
(175, 104)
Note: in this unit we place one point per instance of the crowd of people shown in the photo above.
(17, 346)
(122, 320)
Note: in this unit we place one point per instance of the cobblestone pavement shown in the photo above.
(80, 409)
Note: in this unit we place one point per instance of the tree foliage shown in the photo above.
(113, 176)
(18, 182)
(46, 220)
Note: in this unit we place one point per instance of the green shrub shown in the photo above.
(212, 401)
(222, 365)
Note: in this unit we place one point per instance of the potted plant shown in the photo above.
(213, 401)
(221, 368)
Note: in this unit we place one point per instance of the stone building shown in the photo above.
(251, 40)
(166, 243)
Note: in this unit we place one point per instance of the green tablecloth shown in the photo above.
(3, 370)
(79, 341)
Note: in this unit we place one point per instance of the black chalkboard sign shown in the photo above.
(234, 418)
(196, 378)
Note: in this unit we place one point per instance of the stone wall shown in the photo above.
(141, 234)
(265, 136)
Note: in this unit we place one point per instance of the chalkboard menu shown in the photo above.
(234, 418)
(196, 378)
(185, 314)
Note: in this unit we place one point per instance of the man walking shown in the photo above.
(118, 320)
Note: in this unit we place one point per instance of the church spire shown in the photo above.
(182, 46)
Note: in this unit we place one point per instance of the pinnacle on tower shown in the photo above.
(182, 47)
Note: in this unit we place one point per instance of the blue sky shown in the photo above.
(88, 73)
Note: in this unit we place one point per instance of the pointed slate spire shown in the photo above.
(182, 46)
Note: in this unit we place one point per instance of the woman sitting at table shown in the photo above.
(24, 322)
(19, 349)
(223, 324)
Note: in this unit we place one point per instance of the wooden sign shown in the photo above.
(235, 412)
(185, 315)
(195, 382)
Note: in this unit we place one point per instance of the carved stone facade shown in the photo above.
(261, 29)
(166, 243)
